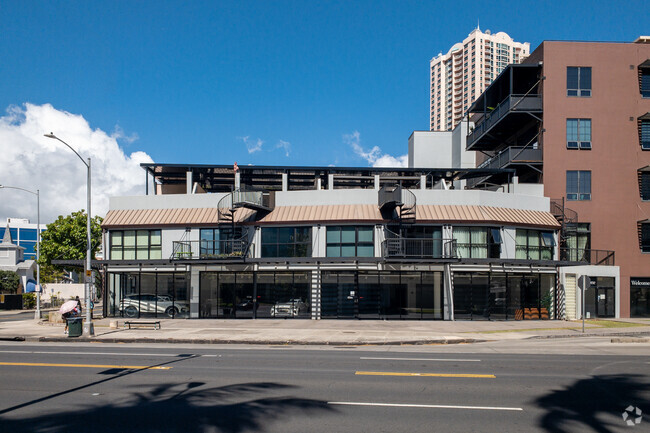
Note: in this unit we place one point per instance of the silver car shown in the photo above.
(132, 305)
(290, 308)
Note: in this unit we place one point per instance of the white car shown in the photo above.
(134, 304)
(290, 308)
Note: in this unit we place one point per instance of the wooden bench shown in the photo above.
(142, 323)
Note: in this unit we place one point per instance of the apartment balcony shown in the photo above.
(513, 156)
(428, 248)
(218, 250)
(587, 257)
(500, 122)
(510, 102)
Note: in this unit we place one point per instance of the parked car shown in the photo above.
(290, 308)
(132, 305)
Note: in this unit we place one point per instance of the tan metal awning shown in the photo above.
(439, 214)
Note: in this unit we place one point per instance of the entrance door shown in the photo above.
(605, 302)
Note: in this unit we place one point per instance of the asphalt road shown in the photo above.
(11, 317)
(128, 388)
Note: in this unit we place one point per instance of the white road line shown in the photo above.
(172, 355)
(422, 359)
(425, 406)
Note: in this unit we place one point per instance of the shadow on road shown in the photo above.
(177, 407)
(588, 402)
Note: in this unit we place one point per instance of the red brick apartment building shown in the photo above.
(575, 116)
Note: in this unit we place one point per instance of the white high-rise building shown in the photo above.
(461, 75)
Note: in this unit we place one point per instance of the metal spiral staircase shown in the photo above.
(395, 198)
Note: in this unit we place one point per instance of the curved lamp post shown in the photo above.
(37, 315)
(88, 329)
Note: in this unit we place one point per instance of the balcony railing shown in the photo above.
(513, 154)
(513, 103)
(589, 257)
(428, 248)
(209, 249)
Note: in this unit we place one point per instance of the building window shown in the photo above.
(534, 245)
(286, 242)
(477, 242)
(644, 236)
(644, 79)
(644, 183)
(644, 131)
(135, 245)
(578, 242)
(215, 242)
(578, 81)
(578, 185)
(578, 133)
(350, 241)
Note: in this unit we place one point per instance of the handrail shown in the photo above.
(436, 248)
(588, 256)
(212, 249)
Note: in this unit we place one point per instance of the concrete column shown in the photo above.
(285, 182)
(318, 184)
(377, 187)
(194, 292)
(237, 180)
(330, 181)
(423, 181)
(188, 182)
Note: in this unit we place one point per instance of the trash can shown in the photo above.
(75, 326)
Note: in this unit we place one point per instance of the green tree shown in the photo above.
(9, 282)
(65, 239)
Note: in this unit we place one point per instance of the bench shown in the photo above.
(142, 323)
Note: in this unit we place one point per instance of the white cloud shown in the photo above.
(374, 156)
(284, 145)
(252, 146)
(32, 161)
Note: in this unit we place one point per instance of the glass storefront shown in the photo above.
(381, 295)
(247, 295)
(143, 294)
(639, 297)
(507, 296)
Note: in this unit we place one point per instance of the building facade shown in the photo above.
(575, 117)
(468, 68)
(324, 242)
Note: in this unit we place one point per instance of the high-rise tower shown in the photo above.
(461, 75)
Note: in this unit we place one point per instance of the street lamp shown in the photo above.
(37, 315)
(88, 329)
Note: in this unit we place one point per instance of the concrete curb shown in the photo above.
(255, 342)
(581, 335)
(630, 340)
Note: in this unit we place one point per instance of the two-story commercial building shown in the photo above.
(325, 242)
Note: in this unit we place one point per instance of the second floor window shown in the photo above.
(578, 133)
(578, 185)
(350, 241)
(644, 185)
(578, 81)
(534, 245)
(477, 242)
(135, 244)
(286, 242)
(645, 236)
(644, 79)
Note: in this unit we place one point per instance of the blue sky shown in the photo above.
(191, 79)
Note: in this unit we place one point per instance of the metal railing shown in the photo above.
(590, 257)
(430, 248)
(513, 154)
(521, 103)
(212, 249)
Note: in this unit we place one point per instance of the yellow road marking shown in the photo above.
(43, 364)
(389, 373)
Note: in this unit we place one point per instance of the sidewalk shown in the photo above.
(326, 332)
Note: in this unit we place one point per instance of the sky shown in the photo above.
(313, 83)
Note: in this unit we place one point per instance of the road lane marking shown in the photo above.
(422, 359)
(43, 364)
(390, 373)
(425, 406)
(43, 352)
